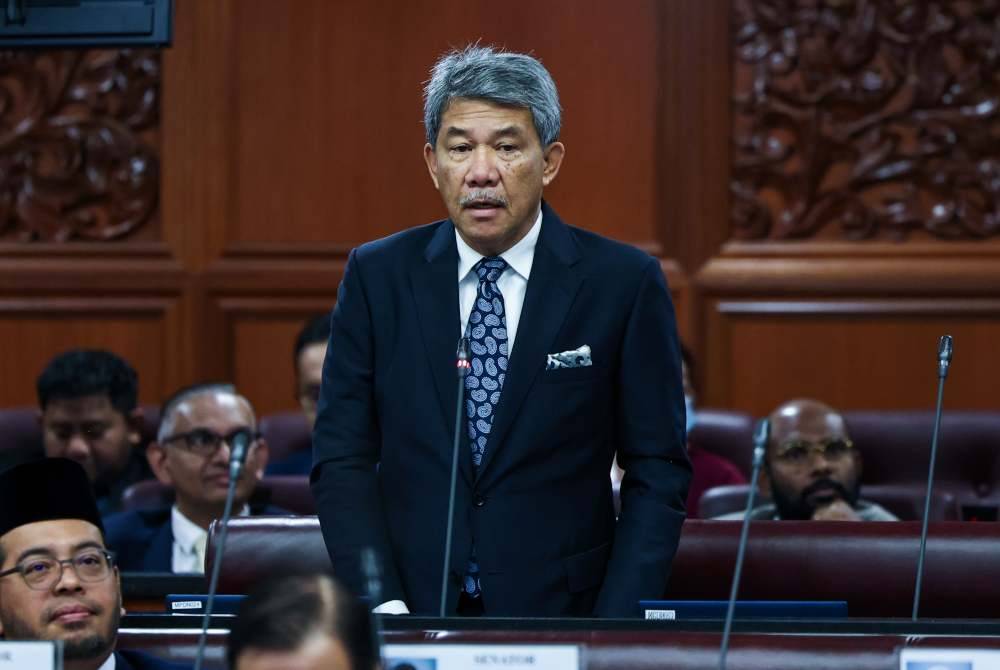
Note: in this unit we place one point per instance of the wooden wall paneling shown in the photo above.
(852, 353)
(328, 147)
(143, 330)
(260, 332)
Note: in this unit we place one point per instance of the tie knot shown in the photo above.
(490, 268)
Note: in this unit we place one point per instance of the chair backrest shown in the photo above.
(870, 565)
(286, 491)
(286, 433)
(906, 501)
(725, 433)
(261, 546)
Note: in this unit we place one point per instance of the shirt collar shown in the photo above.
(519, 257)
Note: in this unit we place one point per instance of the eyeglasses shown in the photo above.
(205, 442)
(44, 572)
(797, 452)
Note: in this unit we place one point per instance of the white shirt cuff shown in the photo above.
(392, 607)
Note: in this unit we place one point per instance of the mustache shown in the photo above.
(49, 612)
(825, 483)
(483, 197)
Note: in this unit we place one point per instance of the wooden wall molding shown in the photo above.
(864, 120)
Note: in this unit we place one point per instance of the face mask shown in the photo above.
(689, 412)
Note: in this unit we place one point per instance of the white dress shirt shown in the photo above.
(109, 664)
(190, 541)
(513, 284)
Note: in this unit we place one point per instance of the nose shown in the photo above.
(819, 462)
(482, 168)
(77, 448)
(68, 581)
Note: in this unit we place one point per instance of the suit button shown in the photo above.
(479, 501)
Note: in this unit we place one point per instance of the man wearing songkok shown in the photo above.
(812, 470)
(191, 454)
(58, 581)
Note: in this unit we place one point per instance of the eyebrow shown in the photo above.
(514, 130)
(45, 551)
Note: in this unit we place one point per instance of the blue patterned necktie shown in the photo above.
(487, 333)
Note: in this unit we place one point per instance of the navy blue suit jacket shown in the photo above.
(143, 540)
(539, 508)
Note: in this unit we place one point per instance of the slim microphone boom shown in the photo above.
(944, 360)
(238, 449)
(462, 368)
(761, 435)
(373, 588)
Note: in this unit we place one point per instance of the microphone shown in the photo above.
(462, 368)
(373, 587)
(944, 361)
(238, 449)
(761, 436)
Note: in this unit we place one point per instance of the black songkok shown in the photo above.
(46, 490)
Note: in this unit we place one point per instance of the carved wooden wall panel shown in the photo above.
(79, 148)
(866, 120)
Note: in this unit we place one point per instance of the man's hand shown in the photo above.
(838, 510)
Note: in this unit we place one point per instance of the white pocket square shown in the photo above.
(575, 358)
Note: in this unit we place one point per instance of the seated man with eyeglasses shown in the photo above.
(812, 469)
(191, 454)
(57, 579)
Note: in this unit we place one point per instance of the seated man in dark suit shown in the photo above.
(88, 413)
(191, 454)
(811, 469)
(302, 622)
(57, 580)
(308, 356)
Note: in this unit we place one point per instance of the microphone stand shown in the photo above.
(237, 456)
(761, 435)
(373, 585)
(944, 360)
(462, 368)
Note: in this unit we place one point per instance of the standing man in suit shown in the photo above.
(58, 581)
(191, 455)
(574, 356)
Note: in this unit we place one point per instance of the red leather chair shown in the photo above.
(906, 501)
(725, 433)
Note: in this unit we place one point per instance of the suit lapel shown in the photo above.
(551, 288)
(435, 290)
(160, 555)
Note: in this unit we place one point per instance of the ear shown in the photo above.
(553, 155)
(764, 482)
(134, 421)
(432, 167)
(157, 457)
(260, 454)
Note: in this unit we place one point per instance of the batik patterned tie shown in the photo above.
(487, 333)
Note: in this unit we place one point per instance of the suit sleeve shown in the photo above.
(346, 443)
(649, 419)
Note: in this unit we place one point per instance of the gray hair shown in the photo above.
(172, 405)
(500, 77)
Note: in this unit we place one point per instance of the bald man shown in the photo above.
(191, 455)
(812, 469)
